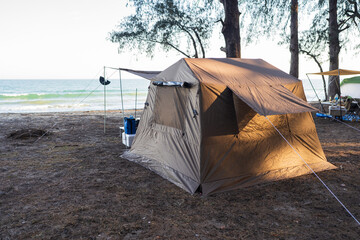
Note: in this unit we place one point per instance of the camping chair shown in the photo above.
(352, 106)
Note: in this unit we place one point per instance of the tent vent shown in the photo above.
(172, 84)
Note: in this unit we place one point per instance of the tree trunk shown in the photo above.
(294, 40)
(334, 49)
(231, 28)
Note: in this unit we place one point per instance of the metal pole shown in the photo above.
(104, 101)
(135, 102)
(316, 94)
(122, 99)
(341, 118)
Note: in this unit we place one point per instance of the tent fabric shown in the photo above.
(337, 72)
(144, 74)
(254, 153)
(355, 80)
(351, 87)
(171, 152)
(216, 141)
(256, 82)
(178, 72)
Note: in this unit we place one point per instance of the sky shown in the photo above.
(67, 39)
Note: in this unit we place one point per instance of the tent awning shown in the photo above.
(272, 100)
(337, 72)
(144, 74)
(257, 83)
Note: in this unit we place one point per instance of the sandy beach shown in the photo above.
(72, 183)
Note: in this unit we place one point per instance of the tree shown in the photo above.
(330, 24)
(270, 17)
(166, 23)
(172, 21)
(231, 28)
(334, 48)
(294, 39)
(349, 9)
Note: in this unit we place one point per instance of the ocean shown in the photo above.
(20, 96)
(27, 96)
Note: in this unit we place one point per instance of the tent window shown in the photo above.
(170, 106)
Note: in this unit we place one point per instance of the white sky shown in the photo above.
(66, 39)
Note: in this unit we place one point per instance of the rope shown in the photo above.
(88, 85)
(323, 110)
(52, 127)
(343, 123)
(348, 125)
(74, 104)
(115, 71)
(314, 173)
(315, 92)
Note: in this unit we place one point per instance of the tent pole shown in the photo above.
(339, 93)
(316, 93)
(135, 101)
(104, 101)
(122, 99)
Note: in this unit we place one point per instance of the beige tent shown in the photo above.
(211, 135)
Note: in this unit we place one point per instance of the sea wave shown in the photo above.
(45, 108)
(75, 95)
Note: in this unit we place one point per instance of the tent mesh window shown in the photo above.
(170, 106)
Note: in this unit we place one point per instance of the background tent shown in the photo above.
(351, 87)
(340, 72)
(212, 136)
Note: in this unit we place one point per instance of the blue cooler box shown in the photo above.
(129, 125)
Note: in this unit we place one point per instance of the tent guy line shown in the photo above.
(52, 127)
(332, 193)
(343, 122)
(323, 110)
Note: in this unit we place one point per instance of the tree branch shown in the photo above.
(342, 29)
(192, 39)
(220, 20)
(314, 57)
(169, 44)
(199, 40)
(165, 43)
(353, 14)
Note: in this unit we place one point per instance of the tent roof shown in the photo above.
(243, 72)
(350, 80)
(144, 74)
(256, 82)
(337, 72)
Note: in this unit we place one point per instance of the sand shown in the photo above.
(72, 183)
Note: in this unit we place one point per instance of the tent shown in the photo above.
(351, 87)
(211, 134)
(340, 72)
